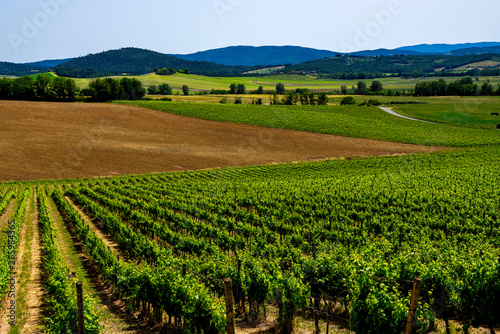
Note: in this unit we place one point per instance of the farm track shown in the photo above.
(98, 230)
(112, 312)
(390, 111)
(9, 212)
(31, 296)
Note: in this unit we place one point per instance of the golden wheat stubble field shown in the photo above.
(41, 140)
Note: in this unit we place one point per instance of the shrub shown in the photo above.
(347, 100)
(238, 100)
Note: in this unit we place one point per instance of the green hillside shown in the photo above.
(133, 61)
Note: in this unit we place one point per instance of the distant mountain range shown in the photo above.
(234, 60)
(444, 48)
(281, 55)
(261, 55)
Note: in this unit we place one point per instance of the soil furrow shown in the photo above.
(98, 230)
(31, 296)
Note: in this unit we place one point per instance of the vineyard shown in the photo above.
(336, 242)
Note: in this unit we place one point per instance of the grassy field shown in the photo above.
(466, 111)
(291, 82)
(351, 121)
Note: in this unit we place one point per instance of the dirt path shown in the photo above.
(70, 140)
(9, 212)
(105, 237)
(30, 295)
(111, 312)
(390, 111)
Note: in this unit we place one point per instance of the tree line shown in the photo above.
(462, 87)
(41, 88)
(45, 87)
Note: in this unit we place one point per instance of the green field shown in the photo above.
(291, 82)
(467, 111)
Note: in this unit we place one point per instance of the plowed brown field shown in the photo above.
(41, 140)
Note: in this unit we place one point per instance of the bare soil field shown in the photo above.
(40, 141)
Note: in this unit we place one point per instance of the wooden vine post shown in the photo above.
(410, 321)
(228, 290)
(79, 302)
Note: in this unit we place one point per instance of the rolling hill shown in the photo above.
(134, 61)
(11, 69)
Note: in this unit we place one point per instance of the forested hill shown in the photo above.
(134, 61)
(400, 64)
(258, 55)
(18, 69)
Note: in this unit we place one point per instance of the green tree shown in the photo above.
(23, 88)
(322, 99)
(487, 89)
(132, 89)
(64, 89)
(42, 87)
(273, 99)
(241, 89)
(347, 101)
(280, 89)
(376, 86)
(186, 71)
(101, 90)
(152, 90)
(343, 90)
(361, 88)
(185, 90)
(5, 88)
(304, 99)
(291, 98)
(164, 89)
(260, 90)
(233, 88)
(71, 89)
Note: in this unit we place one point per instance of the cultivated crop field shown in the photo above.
(333, 245)
(53, 140)
(291, 82)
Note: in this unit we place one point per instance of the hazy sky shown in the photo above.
(33, 30)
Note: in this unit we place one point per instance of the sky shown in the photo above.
(32, 30)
